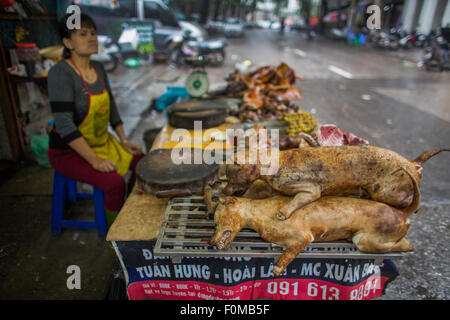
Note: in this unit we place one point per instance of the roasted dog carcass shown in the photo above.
(309, 173)
(372, 226)
(213, 193)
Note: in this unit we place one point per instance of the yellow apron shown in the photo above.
(94, 129)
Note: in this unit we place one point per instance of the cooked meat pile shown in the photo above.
(266, 92)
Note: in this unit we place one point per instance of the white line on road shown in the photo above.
(340, 72)
(300, 53)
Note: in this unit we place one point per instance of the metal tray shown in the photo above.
(186, 230)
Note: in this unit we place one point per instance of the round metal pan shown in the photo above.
(210, 113)
(158, 174)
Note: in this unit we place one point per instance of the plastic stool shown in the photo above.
(65, 189)
(351, 38)
(362, 39)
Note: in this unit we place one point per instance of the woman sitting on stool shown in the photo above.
(81, 148)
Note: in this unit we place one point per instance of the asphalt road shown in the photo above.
(380, 96)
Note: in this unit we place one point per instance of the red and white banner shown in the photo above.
(195, 278)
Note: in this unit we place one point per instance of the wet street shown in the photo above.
(378, 95)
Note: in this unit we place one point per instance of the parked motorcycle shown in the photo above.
(125, 51)
(373, 38)
(420, 41)
(407, 40)
(108, 53)
(338, 33)
(197, 53)
(436, 55)
(385, 40)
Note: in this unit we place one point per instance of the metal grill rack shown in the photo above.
(186, 230)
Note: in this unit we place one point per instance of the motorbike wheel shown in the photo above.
(220, 58)
(111, 65)
(175, 58)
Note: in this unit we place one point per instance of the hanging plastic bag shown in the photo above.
(39, 145)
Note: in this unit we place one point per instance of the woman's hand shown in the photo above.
(103, 165)
(82, 148)
(131, 147)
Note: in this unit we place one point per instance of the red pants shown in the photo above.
(71, 165)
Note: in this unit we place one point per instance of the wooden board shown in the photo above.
(140, 218)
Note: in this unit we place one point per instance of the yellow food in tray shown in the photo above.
(208, 139)
(300, 122)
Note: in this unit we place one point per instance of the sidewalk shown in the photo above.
(412, 56)
(33, 264)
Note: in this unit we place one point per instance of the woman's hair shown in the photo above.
(64, 32)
